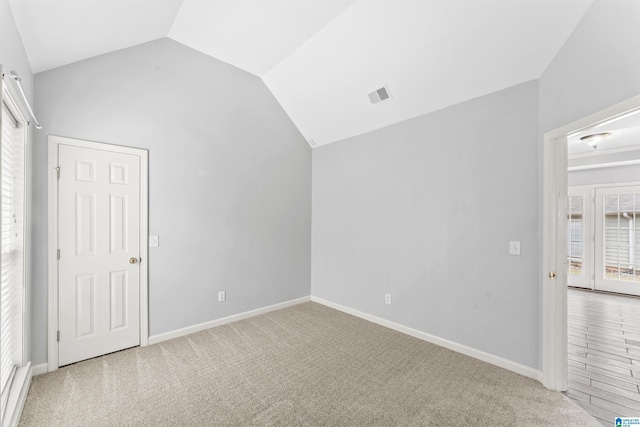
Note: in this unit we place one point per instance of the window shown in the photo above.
(579, 242)
(603, 247)
(12, 248)
(620, 243)
(575, 235)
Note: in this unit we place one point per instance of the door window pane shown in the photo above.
(621, 237)
(611, 203)
(575, 234)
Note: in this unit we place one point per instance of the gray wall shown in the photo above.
(597, 67)
(425, 210)
(608, 175)
(12, 54)
(392, 209)
(230, 178)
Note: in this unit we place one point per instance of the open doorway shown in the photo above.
(603, 268)
(555, 238)
(603, 239)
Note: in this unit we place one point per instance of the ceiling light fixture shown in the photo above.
(595, 139)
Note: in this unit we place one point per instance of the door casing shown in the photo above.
(554, 247)
(53, 144)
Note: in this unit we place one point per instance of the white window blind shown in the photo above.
(575, 235)
(11, 248)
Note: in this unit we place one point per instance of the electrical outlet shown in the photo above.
(222, 296)
(387, 298)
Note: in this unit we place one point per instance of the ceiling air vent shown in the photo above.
(380, 95)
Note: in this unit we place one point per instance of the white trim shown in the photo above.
(53, 144)
(634, 149)
(22, 378)
(554, 292)
(154, 339)
(451, 345)
(18, 396)
(39, 369)
(603, 159)
(604, 165)
(52, 216)
(28, 169)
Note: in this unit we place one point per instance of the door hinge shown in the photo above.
(58, 336)
(58, 254)
(58, 172)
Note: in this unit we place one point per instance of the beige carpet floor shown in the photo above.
(306, 365)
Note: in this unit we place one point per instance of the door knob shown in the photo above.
(133, 260)
(552, 275)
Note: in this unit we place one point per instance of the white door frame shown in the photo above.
(54, 143)
(554, 248)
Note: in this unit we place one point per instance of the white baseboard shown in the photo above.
(39, 369)
(468, 351)
(451, 345)
(154, 339)
(18, 395)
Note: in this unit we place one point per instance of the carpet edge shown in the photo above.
(442, 342)
(165, 336)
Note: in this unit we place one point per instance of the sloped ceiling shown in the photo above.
(320, 58)
(59, 32)
(252, 35)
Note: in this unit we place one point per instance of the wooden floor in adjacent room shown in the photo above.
(604, 353)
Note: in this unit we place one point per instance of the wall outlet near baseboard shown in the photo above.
(387, 298)
(222, 296)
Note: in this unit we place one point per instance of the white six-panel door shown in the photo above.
(99, 241)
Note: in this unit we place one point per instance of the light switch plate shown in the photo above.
(154, 241)
(514, 247)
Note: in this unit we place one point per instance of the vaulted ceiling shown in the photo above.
(321, 58)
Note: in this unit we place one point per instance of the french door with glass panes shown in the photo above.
(617, 239)
(579, 235)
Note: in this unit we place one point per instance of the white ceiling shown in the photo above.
(320, 58)
(252, 34)
(625, 138)
(59, 32)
